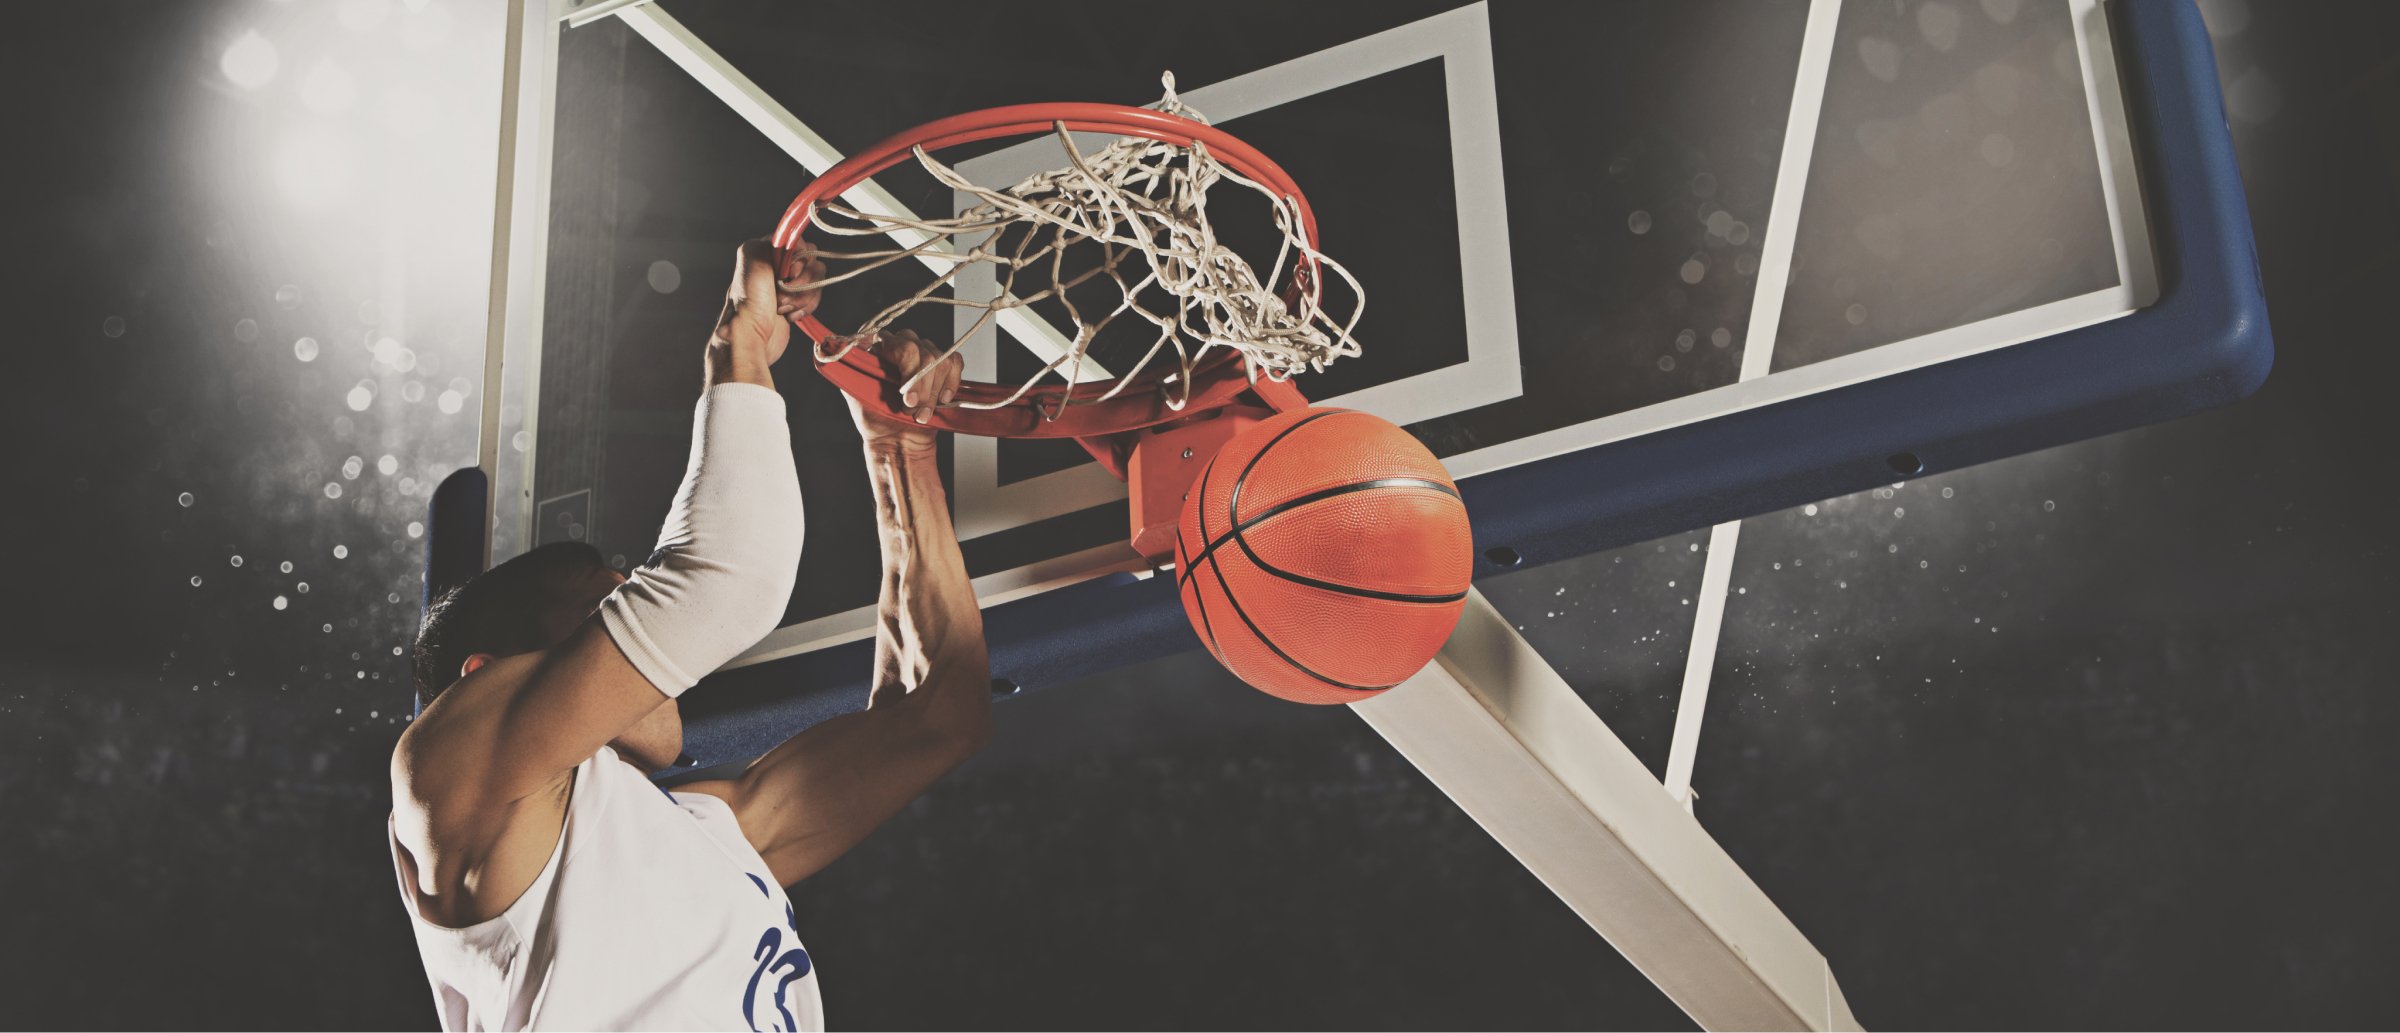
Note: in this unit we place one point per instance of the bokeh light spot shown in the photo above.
(250, 62)
(664, 276)
(1997, 150)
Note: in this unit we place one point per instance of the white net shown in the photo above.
(1132, 215)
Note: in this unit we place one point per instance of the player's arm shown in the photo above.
(485, 766)
(821, 792)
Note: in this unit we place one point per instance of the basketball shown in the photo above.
(1323, 555)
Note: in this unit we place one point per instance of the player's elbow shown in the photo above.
(954, 743)
(973, 732)
(741, 587)
(960, 723)
(756, 600)
(683, 615)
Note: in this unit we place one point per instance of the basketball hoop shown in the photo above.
(1133, 214)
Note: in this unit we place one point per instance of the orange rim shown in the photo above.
(1056, 411)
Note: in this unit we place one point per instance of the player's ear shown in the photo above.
(475, 661)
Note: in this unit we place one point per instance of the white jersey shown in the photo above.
(653, 912)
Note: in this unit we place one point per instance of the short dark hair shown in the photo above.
(528, 603)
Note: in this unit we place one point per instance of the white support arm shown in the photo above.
(520, 258)
(1501, 733)
(1700, 661)
(1758, 355)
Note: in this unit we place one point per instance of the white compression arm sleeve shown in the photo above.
(729, 551)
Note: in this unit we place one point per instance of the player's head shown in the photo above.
(531, 602)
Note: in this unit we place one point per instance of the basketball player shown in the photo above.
(551, 885)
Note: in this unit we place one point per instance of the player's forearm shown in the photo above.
(930, 631)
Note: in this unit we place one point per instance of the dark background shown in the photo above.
(2114, 756)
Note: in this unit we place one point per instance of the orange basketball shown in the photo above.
(1323, 555)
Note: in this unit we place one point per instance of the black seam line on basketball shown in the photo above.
(1219, 570)
(1200, 604)
(1363, 593)
(1288, 505)
(1205, 471)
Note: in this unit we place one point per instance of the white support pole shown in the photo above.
(1699, 664)
(1758, 355)
(1500, 732)
(520, 257)
(795, 138)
